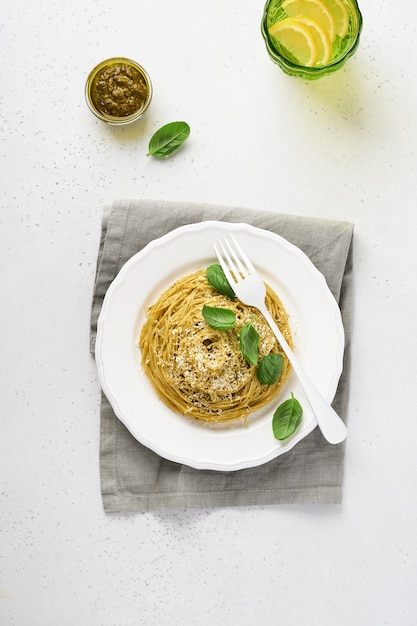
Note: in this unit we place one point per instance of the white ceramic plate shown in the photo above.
(315, 322)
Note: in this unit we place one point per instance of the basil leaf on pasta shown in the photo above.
(221, 319)
(287, 418)
(217, 279)
(270, 368)
(248, 343)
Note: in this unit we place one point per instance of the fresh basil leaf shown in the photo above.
(287, 418)
(217, 279)
(221, 319)
(248, 343)
(270, 368)
(168, 138)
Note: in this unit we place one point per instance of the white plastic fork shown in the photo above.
(250, 289)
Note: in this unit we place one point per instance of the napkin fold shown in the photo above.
(134, 478)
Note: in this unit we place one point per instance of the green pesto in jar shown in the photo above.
(119, 90)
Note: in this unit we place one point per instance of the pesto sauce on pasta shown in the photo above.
(199, 371)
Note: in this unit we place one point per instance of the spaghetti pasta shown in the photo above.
(198, 371)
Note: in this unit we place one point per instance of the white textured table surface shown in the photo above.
(344, 148)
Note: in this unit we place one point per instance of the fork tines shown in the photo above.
(238, 262)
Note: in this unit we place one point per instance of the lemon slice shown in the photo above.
(297, 39)
(321, 39)
(313, 9)
(340, 15)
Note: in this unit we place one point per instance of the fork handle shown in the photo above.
(330, 424)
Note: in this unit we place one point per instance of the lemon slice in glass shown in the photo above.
(297, 39)
(340, 14)
(313, 9)
(321, 39)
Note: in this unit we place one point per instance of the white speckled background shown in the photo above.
(345, 148)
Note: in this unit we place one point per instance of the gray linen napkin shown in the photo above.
(133, 478)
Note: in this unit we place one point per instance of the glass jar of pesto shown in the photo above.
(118, 91)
